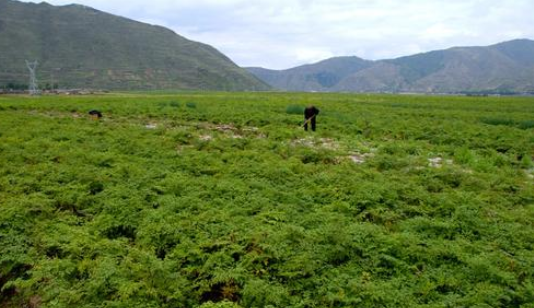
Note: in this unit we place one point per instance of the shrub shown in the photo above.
(498, 121)
(526, 124)
(191, 105)
(509, 122)
(464, 156)
(526, 162)
(295, 109)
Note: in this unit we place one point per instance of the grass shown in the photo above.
(231, 204)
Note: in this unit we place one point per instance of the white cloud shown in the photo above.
(285, 33)
(312, 54)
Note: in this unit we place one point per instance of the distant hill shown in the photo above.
(80, 47)
(313, 77)
(504, 67)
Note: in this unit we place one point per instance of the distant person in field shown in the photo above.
(310, 115)
(95, 114)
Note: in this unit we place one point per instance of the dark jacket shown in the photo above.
(310, 111)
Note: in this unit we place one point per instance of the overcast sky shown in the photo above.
(281, 34)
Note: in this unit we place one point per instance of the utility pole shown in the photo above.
(32, 66)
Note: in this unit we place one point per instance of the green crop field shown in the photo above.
(222, 200)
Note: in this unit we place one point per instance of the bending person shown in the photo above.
(310, 114)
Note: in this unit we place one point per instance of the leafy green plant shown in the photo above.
(295, 109)
(509, 122)
(191, 105)
(395, 201)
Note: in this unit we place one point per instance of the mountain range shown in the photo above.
(80, 47)
(506, 67)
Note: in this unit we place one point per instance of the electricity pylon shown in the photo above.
(32, 66)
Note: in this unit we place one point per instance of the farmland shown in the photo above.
(222, 200)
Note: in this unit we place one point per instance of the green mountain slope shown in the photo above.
(504, 67)
(78, 46)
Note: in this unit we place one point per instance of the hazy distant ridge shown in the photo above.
(504, 67)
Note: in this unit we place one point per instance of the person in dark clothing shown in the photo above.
(310, 114)
(95, 114)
